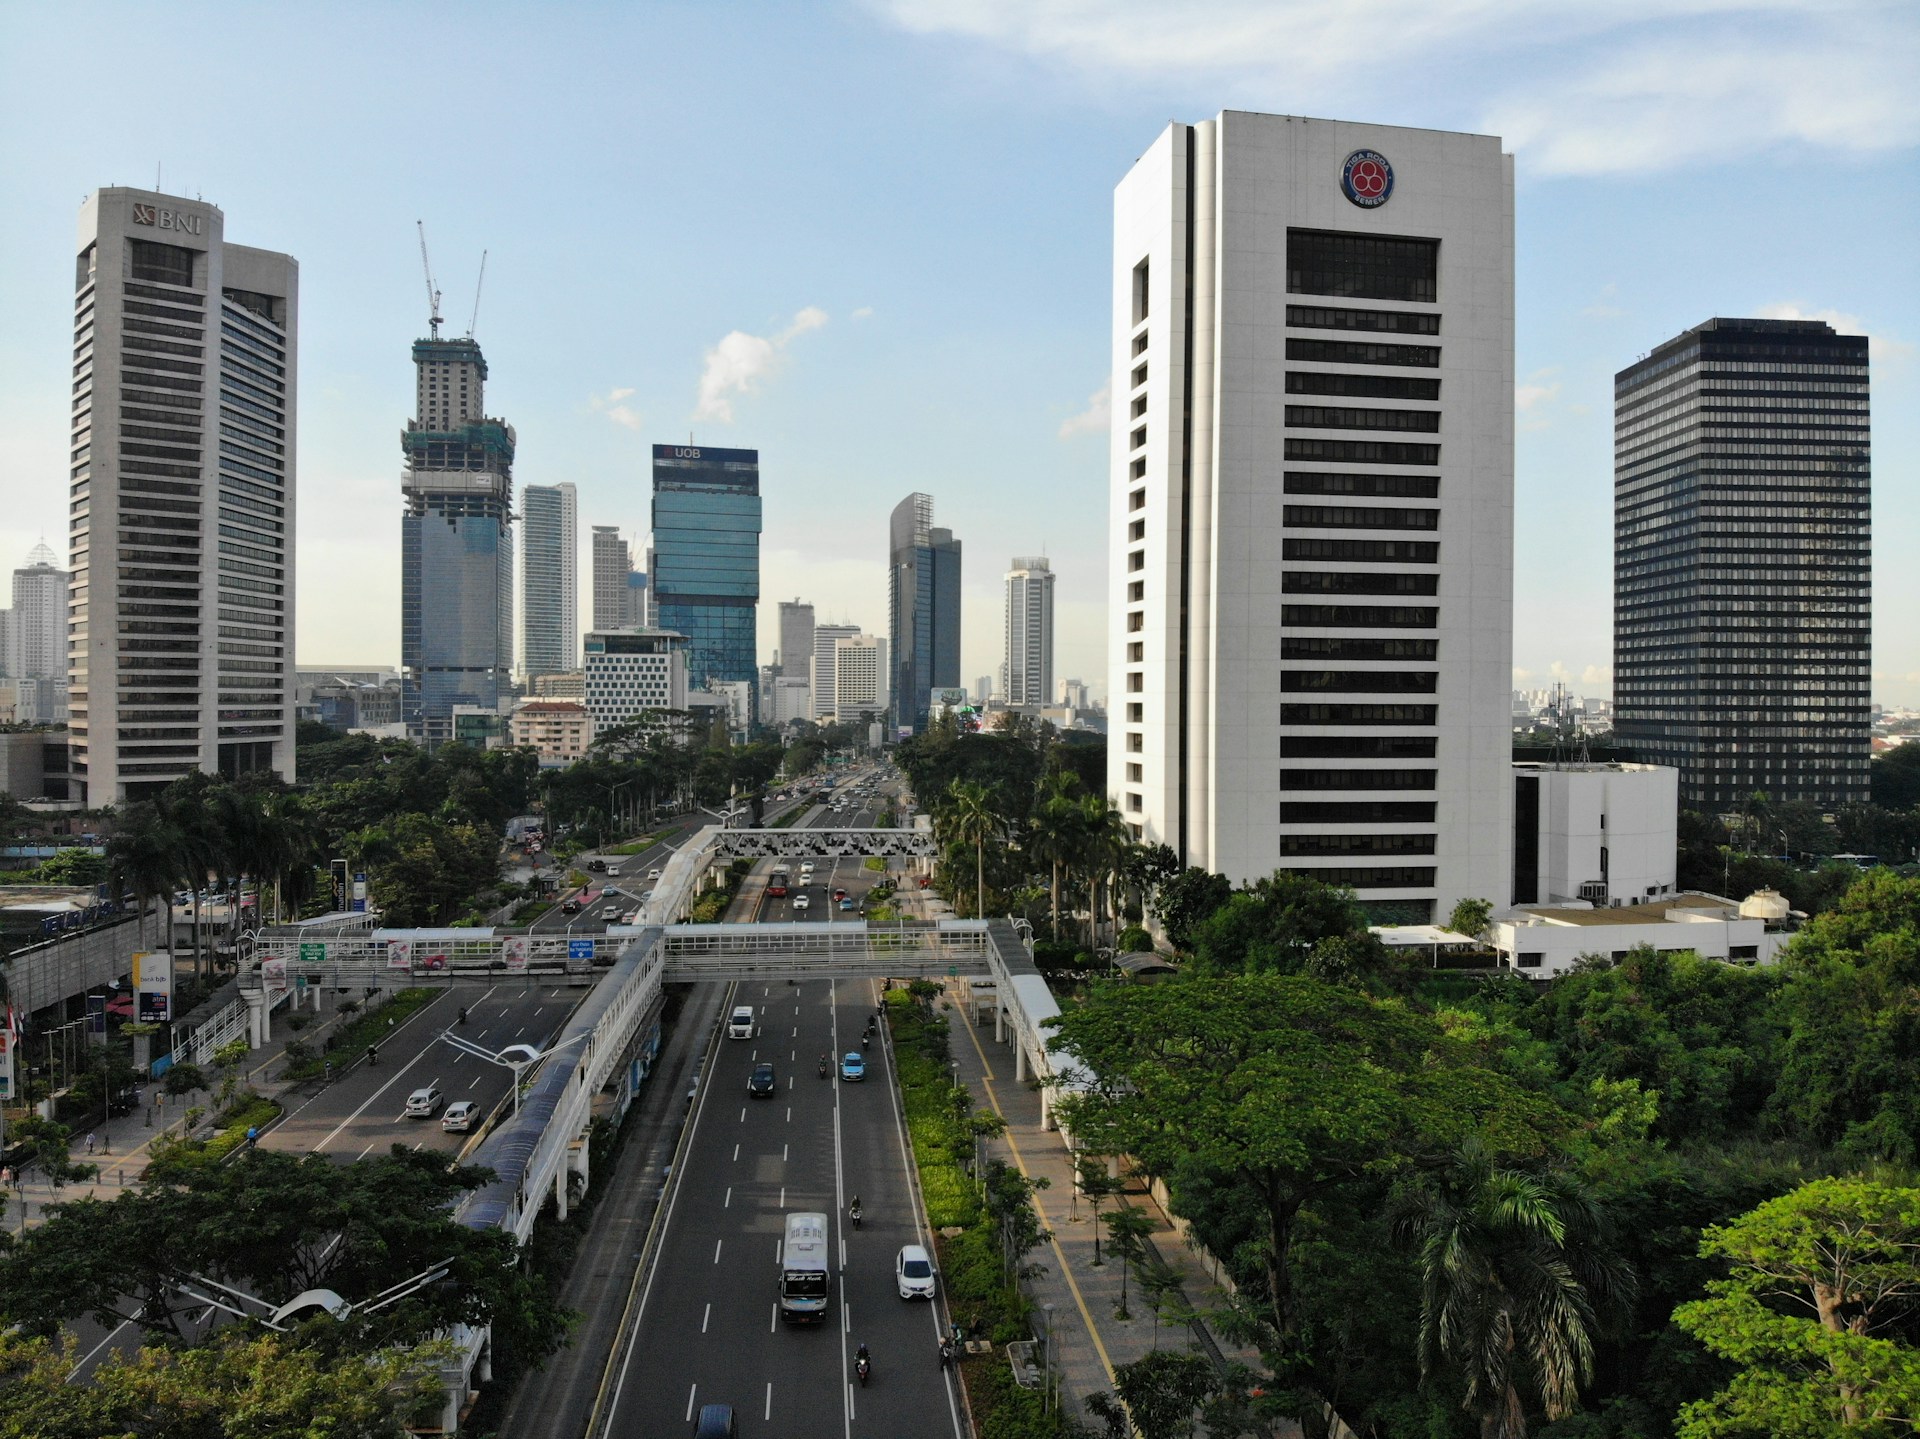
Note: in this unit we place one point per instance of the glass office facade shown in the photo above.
(706, 559)
(923, 594)
(1742, 562)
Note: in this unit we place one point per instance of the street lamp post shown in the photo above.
(525, 1056)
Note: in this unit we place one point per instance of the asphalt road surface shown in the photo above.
(362, 1111)
(708, 1329)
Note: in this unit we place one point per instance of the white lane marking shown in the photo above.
(716, 1249)
(789, 1114)
(743, 1114)
(365, 1152)
(520, 1031)
(736, 1154)
(773, 1322)
(783, 1196)
(476, 1080)
(783, 1152)
(727, 1203)
(769, 1413)
(705, 1315)
(690, 1393)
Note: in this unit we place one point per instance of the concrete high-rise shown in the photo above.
(706, 560)
(549, 580)
(456, 542)
(923, 609)
(1743, 626)
(860, 677)
(1029, 662)
(1312, 505)
(37, 624)
(180, 658)
(823, 671)
(612, 563)
(796, 640)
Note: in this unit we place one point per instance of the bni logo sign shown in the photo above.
(1367, 179)
(164, 219)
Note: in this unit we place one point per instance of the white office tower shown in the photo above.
(1312, 518)
(822, 671)
(1029, 664)
(549, 580)
(859, 677)
(180, 641)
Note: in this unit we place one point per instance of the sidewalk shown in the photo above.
(122, 1144)
(1090, 1338)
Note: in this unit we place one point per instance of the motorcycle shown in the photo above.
(823, 1069)
(373, 1056)
(946, 1353)
(463, 1014)
(863, 1365)
(853, 1213)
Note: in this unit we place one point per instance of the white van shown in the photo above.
(740, 1024)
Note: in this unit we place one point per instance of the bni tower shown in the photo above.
(179, 629)
(1312, 505)
(456, 578)
(923, 610)
(706, 559)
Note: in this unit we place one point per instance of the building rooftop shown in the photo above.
(1654, 912)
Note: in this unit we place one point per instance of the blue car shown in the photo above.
(853, 1067)
(846, 905)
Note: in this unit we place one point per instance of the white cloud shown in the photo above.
(1884, 347)
(740, 361)
(865, 312)
(1095, 418)
(613, 405)
(1535, 389)
(1627, 87)
(1603, 307)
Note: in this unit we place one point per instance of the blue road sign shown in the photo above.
(579, 949)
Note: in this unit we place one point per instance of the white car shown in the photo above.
(800, 901)
(653, 874)
(425, 1102)
(913, 1272)
(460, 1116)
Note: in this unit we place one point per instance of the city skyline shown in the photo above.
(1649, 199)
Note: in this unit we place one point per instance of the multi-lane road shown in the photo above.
(707, 1328)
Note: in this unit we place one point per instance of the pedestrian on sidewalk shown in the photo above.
(90, 1142)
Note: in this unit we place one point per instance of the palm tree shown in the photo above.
(970, 820)
(144, 857)
(1053, 833)
(1103, 841)
(1514, 1268)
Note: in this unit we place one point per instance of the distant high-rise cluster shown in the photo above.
(180, 657)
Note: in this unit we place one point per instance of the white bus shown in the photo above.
(805, 1280)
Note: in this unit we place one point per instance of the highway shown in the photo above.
(707, 1328)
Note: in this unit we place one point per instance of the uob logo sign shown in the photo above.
(682, 452)
(164, 219)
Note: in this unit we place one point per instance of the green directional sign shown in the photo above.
(953, 971)
(313, 954)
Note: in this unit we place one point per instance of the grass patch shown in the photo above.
(711, 907)
(531, 910)
(635, 846)
(349, 1042)
(873, 861)
(176, 1155)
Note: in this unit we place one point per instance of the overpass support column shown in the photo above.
(999, 1022)
(258, 1020)
(1019, 1062)
(1047, 1121)
(560, 1175)
(580, 1161)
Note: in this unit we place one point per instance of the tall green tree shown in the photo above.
(143, 858)
(1287, 1086)
(1102, 845)
(968, 817)
(1818, 1309)
(1516, 1272)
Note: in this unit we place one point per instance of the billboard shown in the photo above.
(153, 986)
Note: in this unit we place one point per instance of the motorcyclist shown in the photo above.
(823, 1066)
(373, 1055)
(463, 1014)
(853, 1211)
(862, 1363)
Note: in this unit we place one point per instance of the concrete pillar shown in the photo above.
(999, 1022)
(258, 1021)
(1046, 1107)
(560, 1193)
(1019, 1062)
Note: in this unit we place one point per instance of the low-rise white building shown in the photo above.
(1541, 941)
(559, 731)
(1607, 834)
(629, 672)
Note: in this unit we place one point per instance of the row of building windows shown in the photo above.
(1311, 779)
(1329, 317)
(1419, 617)
(1358, 681)
(1351, 582)
(1331, 482)
(1358, 517)
(1358, 714)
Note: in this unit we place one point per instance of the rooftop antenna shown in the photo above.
(433, 295)
(476, 294)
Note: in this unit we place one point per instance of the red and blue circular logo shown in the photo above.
(1367, 179)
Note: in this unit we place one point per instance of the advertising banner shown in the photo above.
(359, 905)
(6, 1066)
(513, 949)
(399, 954)
(153, 986)
(273, 976)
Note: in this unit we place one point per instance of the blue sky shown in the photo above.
(872, 240)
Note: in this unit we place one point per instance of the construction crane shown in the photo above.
(433, 295)
(476, 294)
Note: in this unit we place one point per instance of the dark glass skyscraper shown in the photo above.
(706, 558)
(923, 609)
(1742, 629)
(456, 554)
